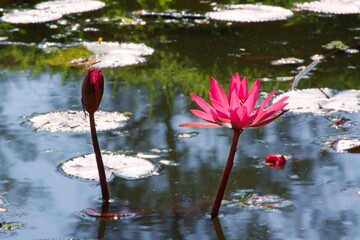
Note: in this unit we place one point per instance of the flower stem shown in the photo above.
(99, 161)
(226, 174)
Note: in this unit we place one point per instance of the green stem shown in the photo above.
(226, 174)
(99, 161)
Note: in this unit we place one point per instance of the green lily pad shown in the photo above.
(31, 16)
(322, 101)
(250, 13)
(75, 121)
(120, 165)
(330, 6)
(70, 6)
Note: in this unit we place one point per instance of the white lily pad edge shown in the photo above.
(314, 101)
(120, 165)
(76, 121)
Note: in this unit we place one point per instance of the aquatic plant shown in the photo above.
(236, 111)
(91, 94)
(275, 161)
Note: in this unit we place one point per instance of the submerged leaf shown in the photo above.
(31, 16)
(70, 6)
(331, 6)
(75, 121)
(114, 54)
(128, 167)
(250, 13)
(322, 101)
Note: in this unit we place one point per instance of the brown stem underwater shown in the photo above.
(225, 177)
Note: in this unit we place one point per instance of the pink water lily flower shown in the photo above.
(237, 109)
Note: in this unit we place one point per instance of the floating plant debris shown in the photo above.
(346, 145)
(114, 54)
(31, 16)
(70, 6)
(169, 163)
(75, 121)
(336, 45)
(253, 200)
(121, 165)
(250, 13)
(287, 61)
(322, 101)
(331, 6)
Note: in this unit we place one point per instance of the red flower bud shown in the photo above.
(92, 90)
(275, 161)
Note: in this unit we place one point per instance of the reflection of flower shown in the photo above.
(236, 111)
(275, 161)
(92, 90)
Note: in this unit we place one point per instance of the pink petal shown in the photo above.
(201, 102)
(218, 93)
(253, 96)
(244, 89)
(203, 115)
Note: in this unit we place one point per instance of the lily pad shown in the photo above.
(346, 145)
(114, 54)
(331, 6)
(250, 13)
(70, 6)
(75, 121)
(121, 165)
(31, 16)
(287, 61)
(314, 100)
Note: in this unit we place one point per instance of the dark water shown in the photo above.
(316, 196)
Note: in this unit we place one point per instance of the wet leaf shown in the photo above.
(121, 165)
(9, 225)
(169, 163)
(250, 13)
(114, 54)
(75, 121)
(331, 6)
(31, 16)
(349, 145)
(253, 200)
(315, 101)
(287, 61)
(336, 45)
(70, 6)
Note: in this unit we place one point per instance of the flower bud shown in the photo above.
(92, 90)
(275, 161)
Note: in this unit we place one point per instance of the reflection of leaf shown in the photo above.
(314, 101)
(331, 6)
(250, 13)
(75, 121)
(120, 165)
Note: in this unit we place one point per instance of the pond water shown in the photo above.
(316, 195)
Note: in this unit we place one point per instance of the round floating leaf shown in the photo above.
(31, 16)
(75, 121)
(331, 6)
(114, 54)
(349, 145)
(128, 167)
(250, 13)
(322, 101)
(70, 6)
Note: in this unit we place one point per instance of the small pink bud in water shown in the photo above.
(275, 161)
(92, 90)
